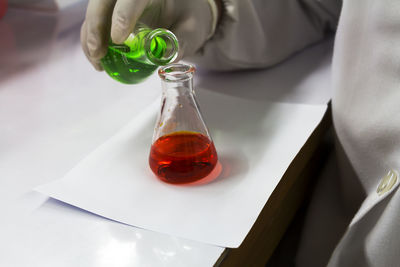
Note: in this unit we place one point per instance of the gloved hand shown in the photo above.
(192, 21)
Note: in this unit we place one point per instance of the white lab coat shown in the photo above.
(354, 217)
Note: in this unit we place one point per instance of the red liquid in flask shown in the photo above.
(182, 157)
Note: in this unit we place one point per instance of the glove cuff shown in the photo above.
(214, 17)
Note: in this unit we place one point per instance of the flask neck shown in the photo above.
(161, 46)
(153, 46)
(179, 109)
(177, 79)
(180, 88)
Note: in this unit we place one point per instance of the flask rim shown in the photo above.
(176, 72)
(167, 36)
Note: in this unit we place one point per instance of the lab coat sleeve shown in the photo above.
(365, 107)
(261, 33)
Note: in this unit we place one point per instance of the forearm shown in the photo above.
(259, 33)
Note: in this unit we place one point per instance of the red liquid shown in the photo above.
(182, 157)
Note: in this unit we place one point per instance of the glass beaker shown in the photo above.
(182, 150)
(139, 56)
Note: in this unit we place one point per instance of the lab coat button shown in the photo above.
(387, 182)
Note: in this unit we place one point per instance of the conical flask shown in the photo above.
(140, 55)
(182, 150)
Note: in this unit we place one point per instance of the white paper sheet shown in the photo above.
(256, 141)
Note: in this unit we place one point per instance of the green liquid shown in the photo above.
(126, 69)
(128, 63)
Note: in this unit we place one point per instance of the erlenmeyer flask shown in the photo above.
(139, 56)
(182, 150)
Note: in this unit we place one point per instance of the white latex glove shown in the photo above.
(192, 21)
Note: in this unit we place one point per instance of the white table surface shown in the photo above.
(55, 109)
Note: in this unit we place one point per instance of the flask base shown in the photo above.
(183, 157)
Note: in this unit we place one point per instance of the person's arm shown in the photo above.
(192, 21)
(249, 33)
(366, 116)
(260, 33)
